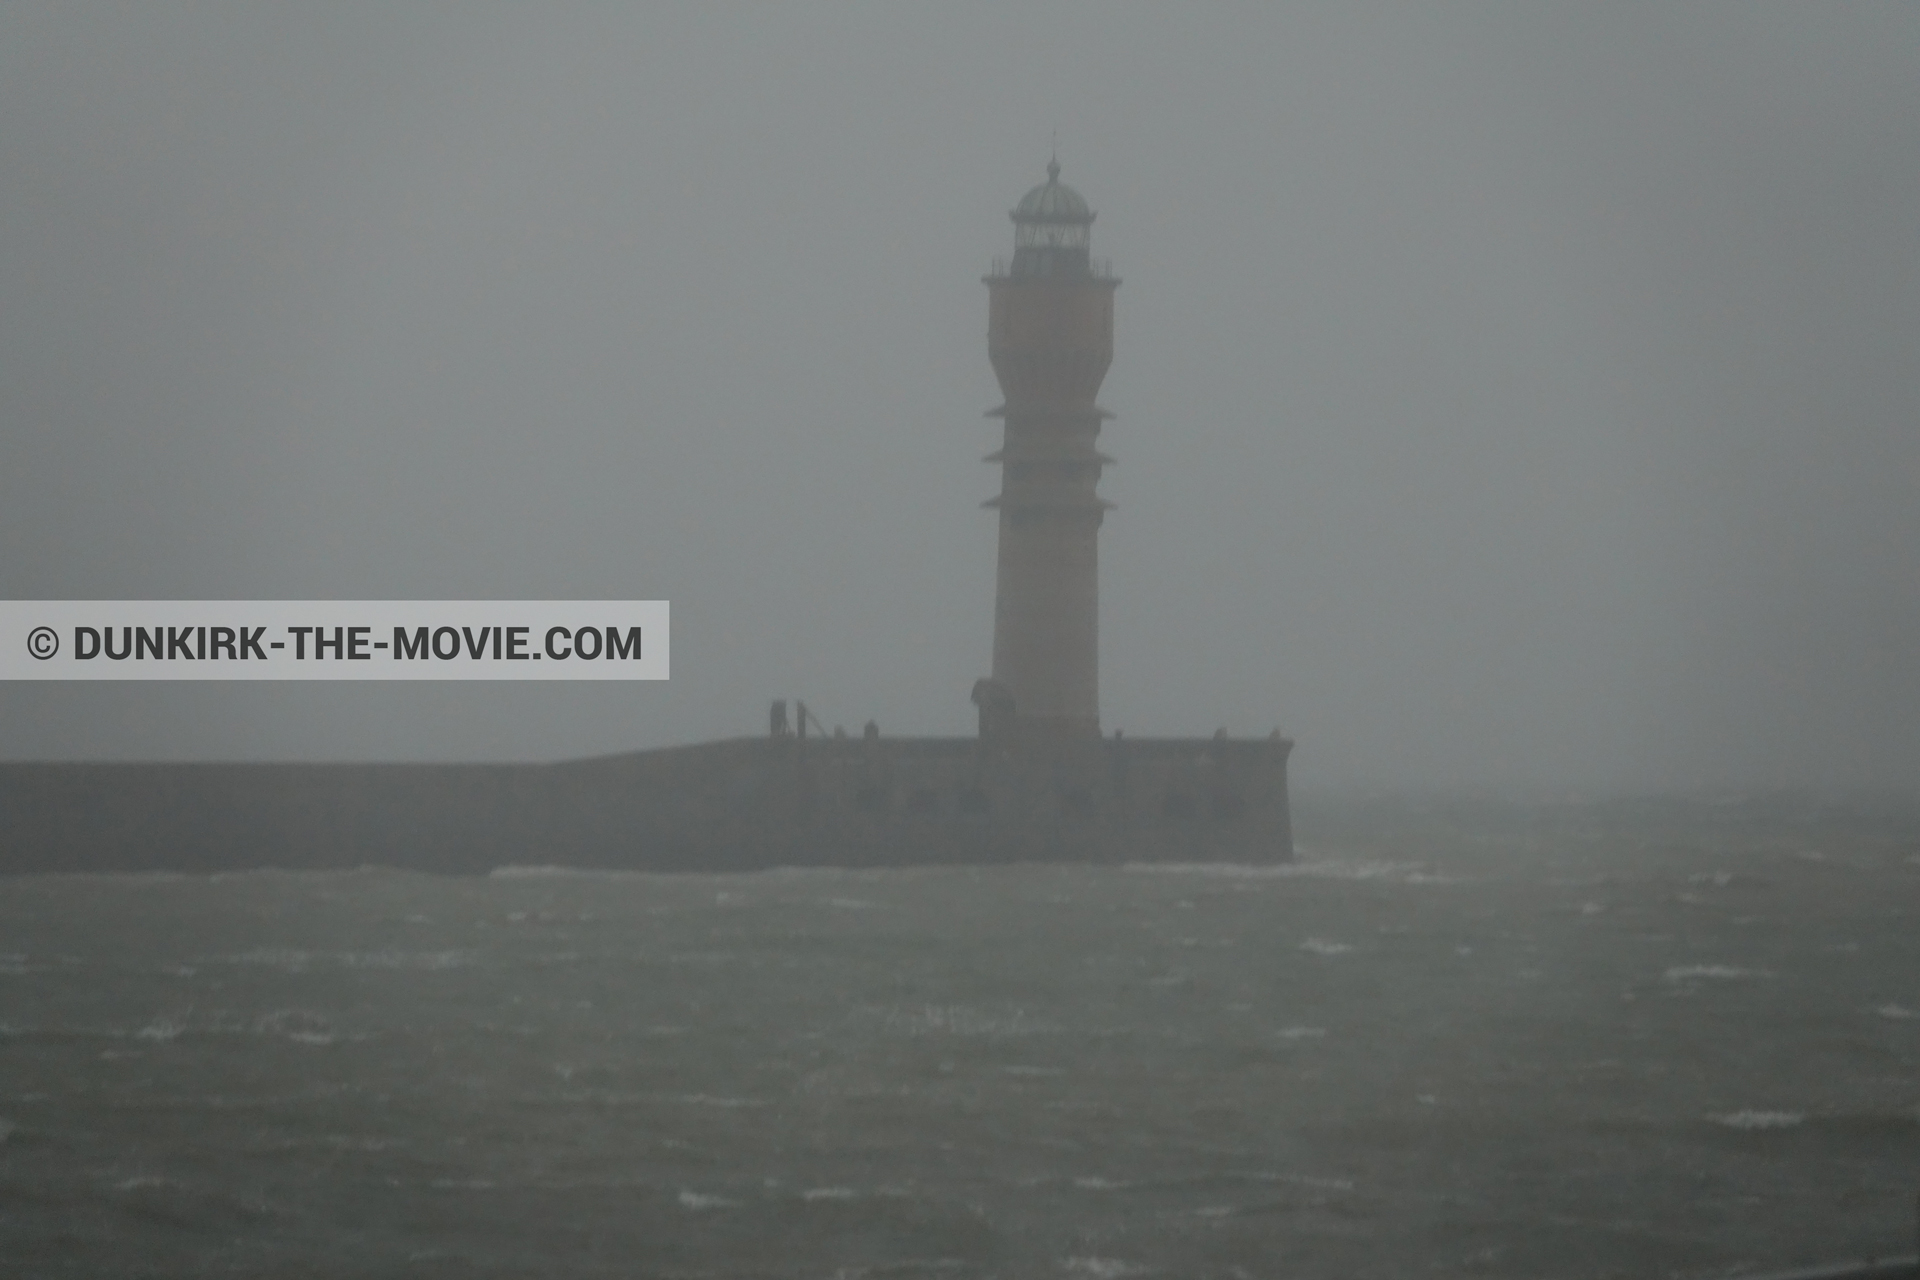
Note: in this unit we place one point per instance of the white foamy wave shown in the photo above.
(830, 1193)
(407, 959)
(960, 1020)
(1102, 1268)
(1318, 1184)
(1896, 1011)
(694, 1201)
(1322, 947)
(549, 871)
(298, 1025)
(294, 961)
(161, 1031)
(1302, 1033)
(1393, 872)
(142, 1181)
(1712, 972)
(126, 879)
(1750, 1120)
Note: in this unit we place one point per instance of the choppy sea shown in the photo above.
(1436, 1046)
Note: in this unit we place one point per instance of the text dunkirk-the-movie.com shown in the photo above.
(333, 640)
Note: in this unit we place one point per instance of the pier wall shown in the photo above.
(732, 805)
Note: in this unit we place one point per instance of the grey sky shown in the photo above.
(1509, 394)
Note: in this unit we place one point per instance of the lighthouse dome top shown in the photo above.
(1052, 201)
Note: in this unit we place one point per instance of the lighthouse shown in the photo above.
(1037, 784)
(1050, 340)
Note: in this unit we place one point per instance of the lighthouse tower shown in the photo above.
(1050, 338)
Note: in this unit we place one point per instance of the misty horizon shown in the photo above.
(1504, 398)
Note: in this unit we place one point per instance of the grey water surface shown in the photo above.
(1503, 1051)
